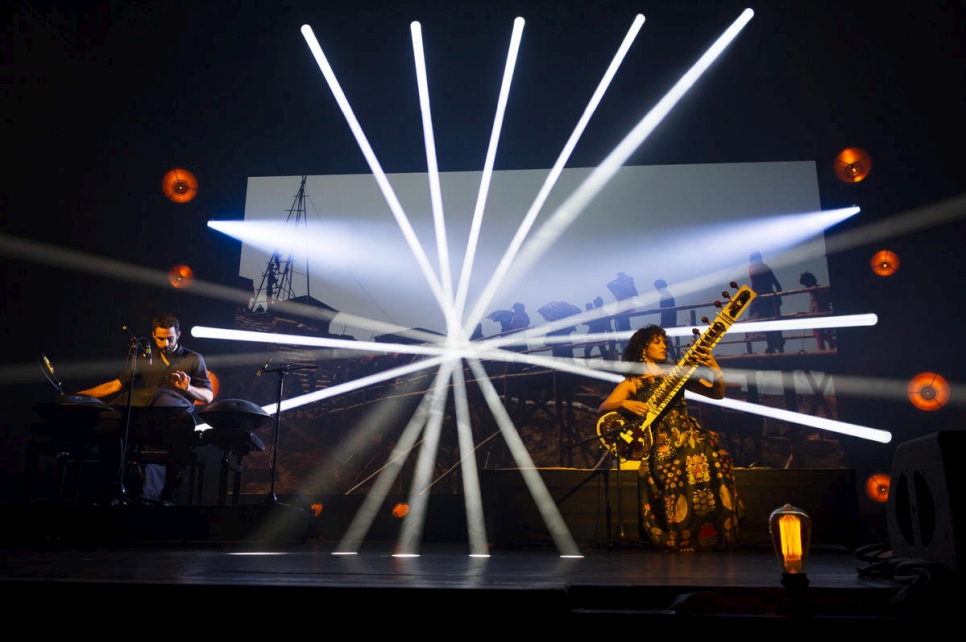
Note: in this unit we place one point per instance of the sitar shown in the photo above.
(632, 438)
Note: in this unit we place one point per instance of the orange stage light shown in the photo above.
(317, 509)
(852, 165)
(885, 263)
(877, 487)
(179, 185)
(214, 387)
(928, 391)
(180, 276)
(400, 510)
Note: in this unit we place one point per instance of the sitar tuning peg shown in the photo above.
(717, 304)
(726, 295)
(734, 285)
(695, 331)
(705, 320)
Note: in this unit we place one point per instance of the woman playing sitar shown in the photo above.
(688, 496)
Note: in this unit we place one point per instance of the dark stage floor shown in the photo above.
(255, 560)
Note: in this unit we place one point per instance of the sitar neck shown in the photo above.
(675, 379)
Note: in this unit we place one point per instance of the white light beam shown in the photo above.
(382, 181)
(472, 494)
(603, 173)
(535, 484)
(854, 430)
(359, 526)
(485, 180)
(435, 192)
(411, 531)
(809, 323)
(490, 291)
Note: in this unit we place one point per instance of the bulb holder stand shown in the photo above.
(796, 595)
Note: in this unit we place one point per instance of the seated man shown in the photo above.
(177, 371)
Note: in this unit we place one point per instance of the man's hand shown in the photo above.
(181, 380)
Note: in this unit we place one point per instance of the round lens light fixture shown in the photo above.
(928, 391)
(852, 165)
(179, 185)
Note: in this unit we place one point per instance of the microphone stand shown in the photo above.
(608, 456)
(281, 371)
(135, 346)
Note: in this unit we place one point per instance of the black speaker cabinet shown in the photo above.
(926, 495)
(596, 514)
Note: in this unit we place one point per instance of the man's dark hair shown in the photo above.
(166, 320)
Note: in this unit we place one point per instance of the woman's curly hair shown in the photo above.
(639, 340)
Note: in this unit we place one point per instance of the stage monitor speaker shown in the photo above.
(925, 517)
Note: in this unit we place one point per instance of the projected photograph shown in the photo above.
(693, 227)
(331, 258)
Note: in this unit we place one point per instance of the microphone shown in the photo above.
(50, 368)
(263, 368)
(137, 342)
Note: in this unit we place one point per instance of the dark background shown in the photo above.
(102, 99)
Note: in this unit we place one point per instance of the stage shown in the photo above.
(250, 562)
(251, 556)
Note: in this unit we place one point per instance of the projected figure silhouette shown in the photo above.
(764, 282)
(669, 318)
(623, 288)
(520, 319)
(820, 301)
(600, 325)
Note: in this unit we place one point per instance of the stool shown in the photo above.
(155, 458)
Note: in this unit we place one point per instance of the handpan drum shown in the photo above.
(155, 412)
(71, 406)
(162, 400)
(70, 412)
(235, 414)
(233, 424)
